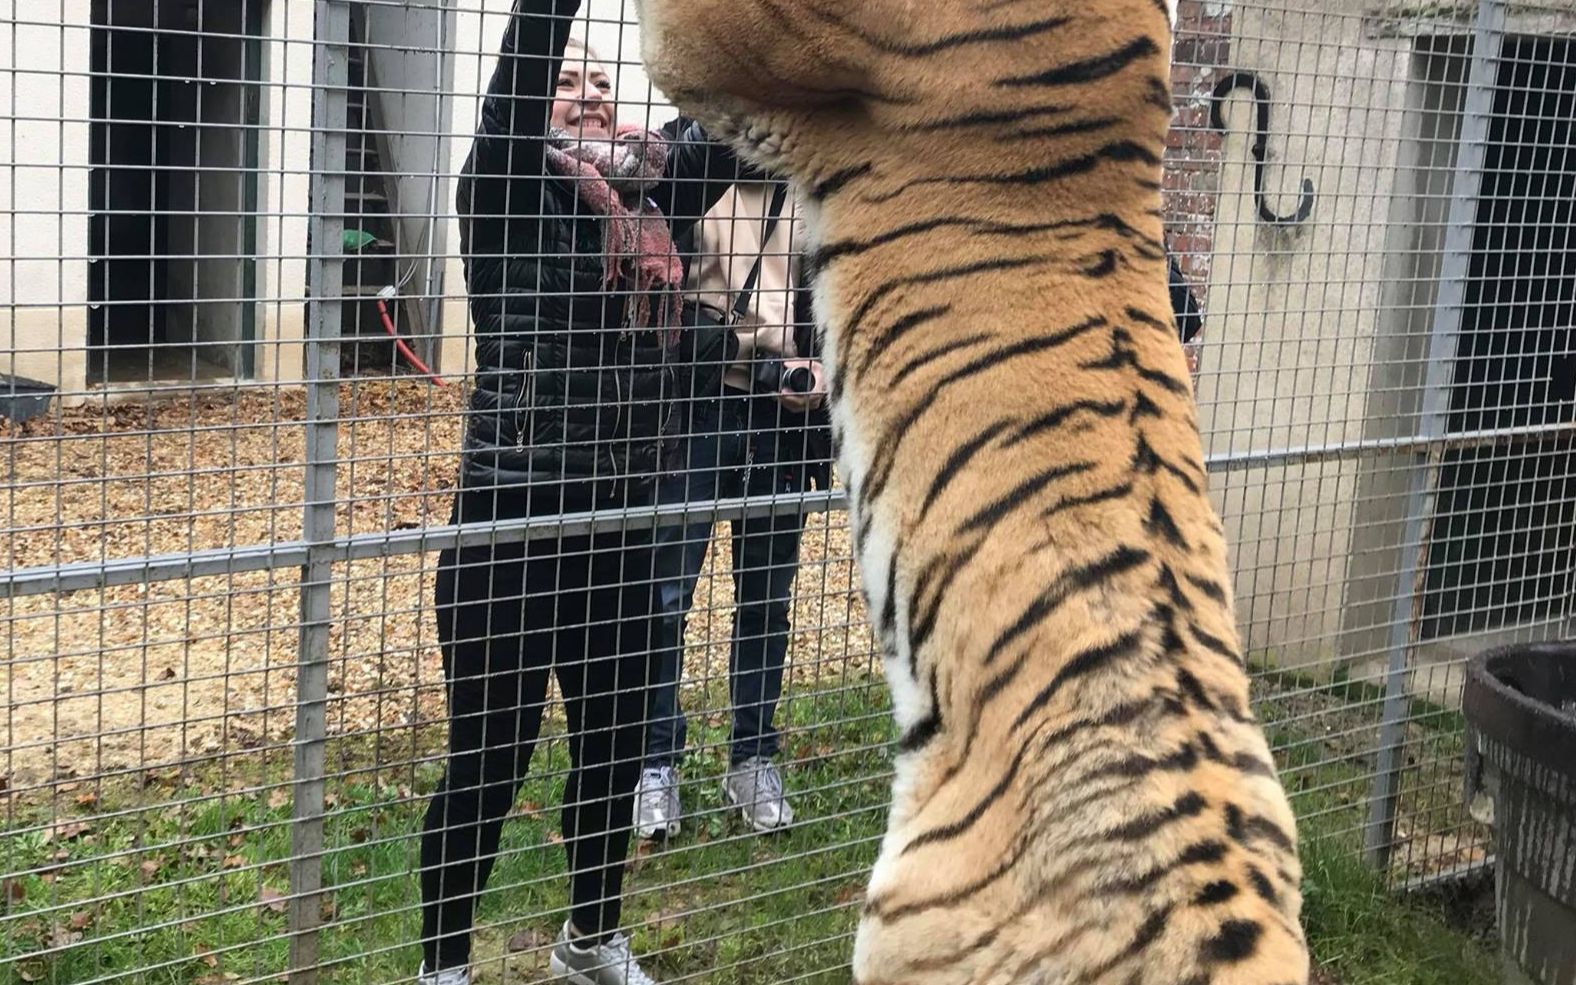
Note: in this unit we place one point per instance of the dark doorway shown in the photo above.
(172, 236)
(1503, 548)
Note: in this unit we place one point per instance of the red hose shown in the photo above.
(399, 343)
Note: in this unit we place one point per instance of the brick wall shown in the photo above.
(1191, 186)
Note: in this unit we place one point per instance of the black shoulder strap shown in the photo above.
(741, 304)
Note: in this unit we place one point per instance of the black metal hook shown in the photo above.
(1261, 101)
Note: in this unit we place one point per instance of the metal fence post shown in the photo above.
(325, 279)
(1444, 334)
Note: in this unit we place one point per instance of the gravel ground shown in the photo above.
(139, 676)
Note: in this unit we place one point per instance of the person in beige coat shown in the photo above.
(761, 432)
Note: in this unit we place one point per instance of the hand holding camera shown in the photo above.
(798, 384)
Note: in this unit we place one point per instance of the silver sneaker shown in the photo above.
(448, 976)
(755, 787)
(600, 964)
(657, 807)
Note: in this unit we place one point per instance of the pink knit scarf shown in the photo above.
(639, 250)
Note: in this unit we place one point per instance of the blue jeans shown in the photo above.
(729, 454)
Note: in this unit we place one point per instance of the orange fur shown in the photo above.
(1084, 795)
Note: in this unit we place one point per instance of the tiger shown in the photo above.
(1082, 794)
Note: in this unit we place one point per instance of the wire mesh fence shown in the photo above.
(272, 681)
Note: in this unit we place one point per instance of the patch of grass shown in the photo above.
(196, 892)
(1360, 932)
(193, 891)
(1365, 935)
(1360, 693)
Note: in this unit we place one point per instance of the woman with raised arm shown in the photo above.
(566, 222)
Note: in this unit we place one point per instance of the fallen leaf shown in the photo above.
(851, 893)
(31, 971)
(234, 862)
(278, 798)
(80, 920)
(60, 936)
(236, 840)
(665, 919)
(274, 900)
(11, 891)
(167, 674)
(327, 910)
(554, 838)
(529, 940)
(150, 867)
(209, 958)
(89, 799)
(358, 868)
(67, 832)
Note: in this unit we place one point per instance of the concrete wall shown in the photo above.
(1315, 335)
(1417, 216)
(284, 198)
(43, 204)
(1418, 219)
(410, 60)
(1291, 312)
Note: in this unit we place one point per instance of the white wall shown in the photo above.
(1292, 313)
(285, 195)
(1315, 336)
(43, 276)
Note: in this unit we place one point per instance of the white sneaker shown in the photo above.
(657, 807)
(600, 964)
(448, 976)
(756, 789)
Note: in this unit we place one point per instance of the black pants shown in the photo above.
(507, 616)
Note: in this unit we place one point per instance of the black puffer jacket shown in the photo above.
(565, 396)
(1183, 303)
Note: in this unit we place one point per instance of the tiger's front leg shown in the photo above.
(746, 57)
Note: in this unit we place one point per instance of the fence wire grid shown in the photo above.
(242, 352)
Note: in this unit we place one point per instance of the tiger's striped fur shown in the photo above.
(1083, 796)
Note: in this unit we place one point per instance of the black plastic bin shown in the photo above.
(22, 398)
(1520, 706)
